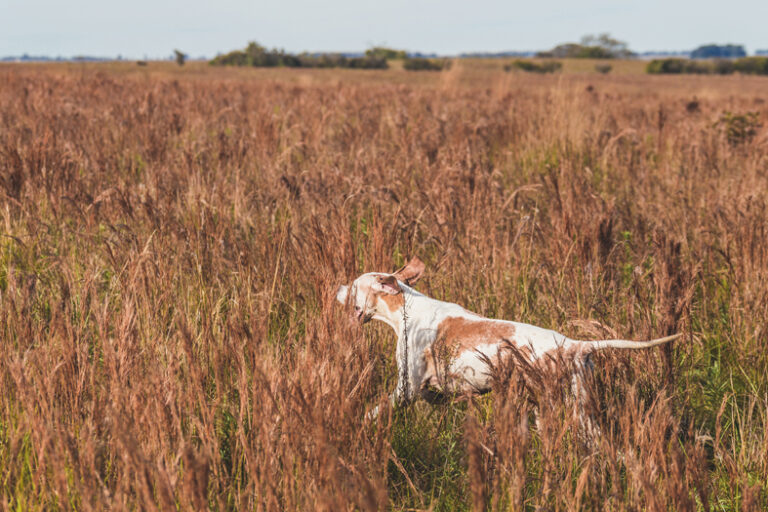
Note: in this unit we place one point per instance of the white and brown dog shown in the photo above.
(442, 347)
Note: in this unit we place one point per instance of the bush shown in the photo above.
(419, 64)
(740, 128)
(592, 52)
(678, 66)
(665, 66)
(326, 60)
(531, 66)
(752, 65)
(603, 68)
(576, 51)
(258, 56)
(367, 63)
(697, 68)
(723, 67)
(380, 52)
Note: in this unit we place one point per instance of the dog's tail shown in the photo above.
(601, 344)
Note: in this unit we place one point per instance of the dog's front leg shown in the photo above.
(398, 397)
(404, 391)
(402, 394)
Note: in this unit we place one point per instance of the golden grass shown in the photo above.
(172, 239)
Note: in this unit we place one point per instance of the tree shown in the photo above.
(181, 57)
(617, 49)
(602, 46)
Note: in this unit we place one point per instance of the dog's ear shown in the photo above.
(411, 272)
(387, 284)
(342, 293)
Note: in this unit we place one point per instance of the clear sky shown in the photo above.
(153, 28)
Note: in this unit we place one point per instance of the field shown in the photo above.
(171, 240)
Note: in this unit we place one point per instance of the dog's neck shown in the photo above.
(416, 309)
(397, 319)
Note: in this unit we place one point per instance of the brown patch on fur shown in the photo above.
(456, 336)
(393, 302)
(464, 334)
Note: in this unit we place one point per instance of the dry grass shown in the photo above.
(172, 239)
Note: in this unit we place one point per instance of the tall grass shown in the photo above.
(171, 246)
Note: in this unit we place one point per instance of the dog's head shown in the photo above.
(377, 293)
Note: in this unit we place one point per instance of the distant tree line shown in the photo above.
(745, 65)
(259, 56)
(604, 46)
(715, 51)
(256, 55)
(707, 59)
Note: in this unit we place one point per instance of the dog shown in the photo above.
(445, 349)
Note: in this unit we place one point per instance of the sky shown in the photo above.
(153, 28)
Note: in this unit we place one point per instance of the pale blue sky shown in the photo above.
(153, 28)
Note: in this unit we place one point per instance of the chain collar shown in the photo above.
(404, 373)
